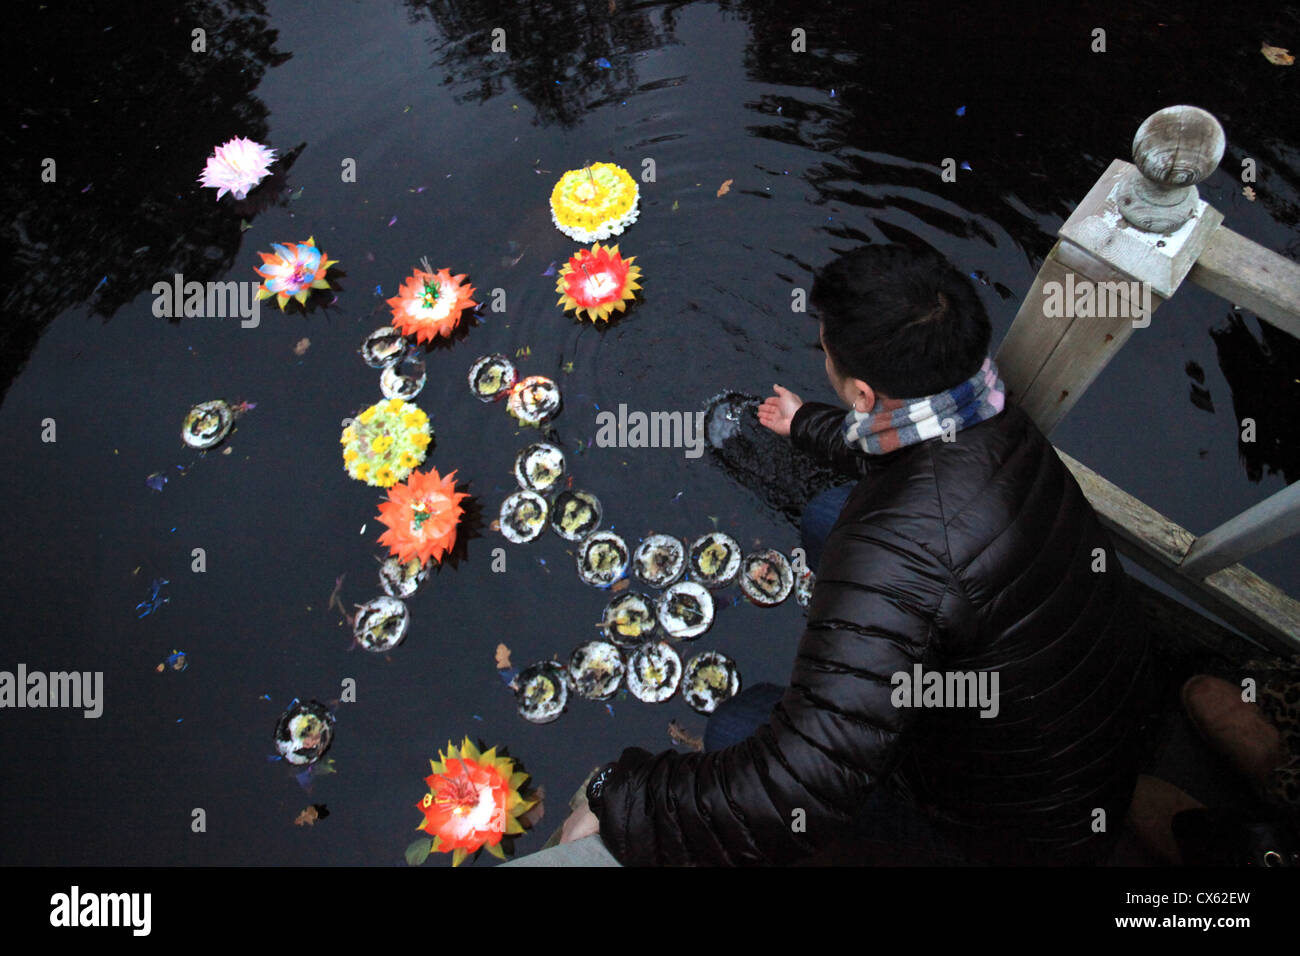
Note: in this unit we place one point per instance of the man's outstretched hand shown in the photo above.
(776, 412)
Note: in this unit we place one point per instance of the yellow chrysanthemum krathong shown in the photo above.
(594, 202)
(383, 443)
(473, 802)
(430, 304)
(597, 281)
(421, 516)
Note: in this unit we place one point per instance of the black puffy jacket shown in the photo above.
(972, 555)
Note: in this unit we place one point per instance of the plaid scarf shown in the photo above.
(895, 422)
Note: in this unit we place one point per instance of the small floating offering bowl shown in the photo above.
(543, 692)
(596, 670)
(710, 679)
(207, 424)
(766, 578)
(404, 379)
(602, 559)
(685, 610)
(523, 516)
(491, 377)
(659, 560)
(715, 560)
(402, 580)
(575, 514)
(304, 732)
(629, 619)
(383, 347)
(381, 624)
(654, 672)
(539, 468)
(534, 401)
(803, 586)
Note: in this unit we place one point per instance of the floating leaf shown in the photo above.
(675, 205)
(503, 657)
(303, 345)
(1276, 55)
(680, 735)
(418, 851)
(725, 188)
(308, 817)
(1248, 193)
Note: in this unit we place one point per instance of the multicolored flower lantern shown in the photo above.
(236, 167)
(473, 802)
(594, 202)
(386, 441)
(597, 281)
(421, 516)
(430, 304)
(292, 271)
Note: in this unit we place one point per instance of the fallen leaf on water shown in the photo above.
(418, 851)
(227, 450)
(503, 657)
(620, 584)
(680, 735)
(1248, 193)
(725, 188)
(496, 524)
(675, 205)
(1276, 55)
(317, 811)
(302, 346)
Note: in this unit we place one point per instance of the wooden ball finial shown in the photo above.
(1174, 149)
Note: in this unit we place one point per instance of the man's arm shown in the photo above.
(818, 430)
(832, 738)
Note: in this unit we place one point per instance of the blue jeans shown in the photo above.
(883, 818)
(819, 516)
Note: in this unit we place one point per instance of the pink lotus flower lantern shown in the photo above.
(236, 167)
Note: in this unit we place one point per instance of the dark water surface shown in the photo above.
(456, 151)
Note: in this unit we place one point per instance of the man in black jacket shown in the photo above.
(969, 658)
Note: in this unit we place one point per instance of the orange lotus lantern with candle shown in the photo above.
(421, 516)
(597, 281)
(429, 304)
(473, 802)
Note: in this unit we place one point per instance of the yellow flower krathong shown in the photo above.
(597, 281)
(385, 442)
(595, 202)
(473, 802)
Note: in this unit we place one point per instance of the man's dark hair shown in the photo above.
(903, 320)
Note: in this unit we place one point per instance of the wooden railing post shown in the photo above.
(1124, 250)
